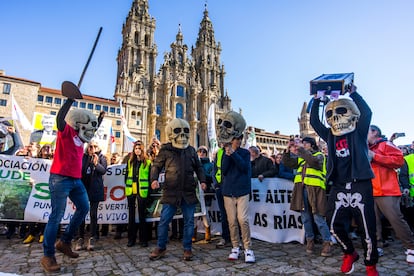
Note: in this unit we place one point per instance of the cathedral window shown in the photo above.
(180, 91)
(136, 37)
(158, 109)
(180, 58)
(147, 41)
(158, 134)
(179, 111)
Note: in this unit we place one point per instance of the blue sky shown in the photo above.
(271, 50)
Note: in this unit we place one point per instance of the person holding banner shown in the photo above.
(137, 191)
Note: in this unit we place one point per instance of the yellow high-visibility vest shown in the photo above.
(410, 163)
(311, 176)
(218, 164)
(143, 183)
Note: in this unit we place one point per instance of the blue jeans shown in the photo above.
(61, 187)
(167, 213)
(320, 221)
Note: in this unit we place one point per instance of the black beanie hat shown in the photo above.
(310, 140)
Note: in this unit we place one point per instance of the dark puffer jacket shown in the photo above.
(180, 165)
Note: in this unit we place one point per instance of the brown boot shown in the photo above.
(66, 248)
(157, 253)
(188, 255)
(194, 238)
(310, 244)
(49, 264)
(326, 249)
(207, 235)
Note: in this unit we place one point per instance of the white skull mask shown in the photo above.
(84, 122)
(178, 132)
(230, 125)
(342, 116)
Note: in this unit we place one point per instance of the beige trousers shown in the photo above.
(237, 209)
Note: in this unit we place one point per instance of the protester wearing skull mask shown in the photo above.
(349, 169)
(180, 162)
(65, 176)
(385, 159)
(236, 183)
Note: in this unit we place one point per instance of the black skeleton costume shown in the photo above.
(348, 168)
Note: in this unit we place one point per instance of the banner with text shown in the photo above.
(24, 196)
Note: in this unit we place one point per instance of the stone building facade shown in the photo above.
(183, 87)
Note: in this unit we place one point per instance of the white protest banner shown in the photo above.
(24, 196)
(270, 216)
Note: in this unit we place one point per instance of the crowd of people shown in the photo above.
(353, 177)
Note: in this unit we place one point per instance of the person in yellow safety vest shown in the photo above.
(217, 181)
(406, 177)
(309, 195)
(137, 190)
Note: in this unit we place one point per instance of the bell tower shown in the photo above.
(305, 129)
(210, 72)
(136, 69)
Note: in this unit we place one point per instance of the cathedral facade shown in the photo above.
(183, 87)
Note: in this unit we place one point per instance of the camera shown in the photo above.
(399, 134)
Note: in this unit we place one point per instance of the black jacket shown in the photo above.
(94, 180)
(263, 165)
(180, 165)
(357, 141)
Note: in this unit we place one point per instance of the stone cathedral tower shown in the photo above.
(184, 87)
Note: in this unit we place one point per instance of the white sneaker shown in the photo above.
(79, 244)
(410, 256)
(234, 255)
(249, 256)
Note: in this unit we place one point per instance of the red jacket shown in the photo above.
(386, 160)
